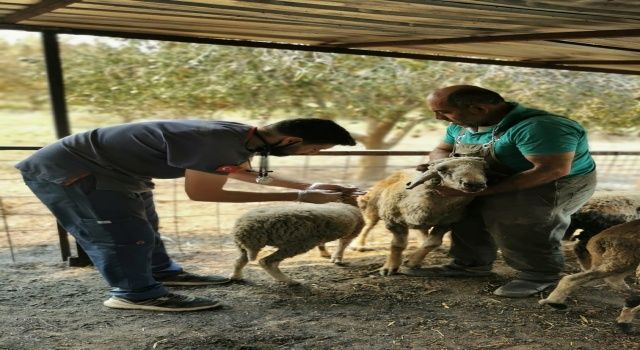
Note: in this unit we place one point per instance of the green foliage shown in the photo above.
(136, 78)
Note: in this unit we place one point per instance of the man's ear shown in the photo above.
(288, 140)
(479, 108)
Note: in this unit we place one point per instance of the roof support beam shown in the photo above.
(312, 48)
(43, 6)
(616, 62)
(496, 38)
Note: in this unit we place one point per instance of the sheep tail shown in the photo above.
(363, 201)
(580, 249)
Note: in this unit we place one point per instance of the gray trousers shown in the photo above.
(527, 226)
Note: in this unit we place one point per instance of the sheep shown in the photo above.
(611, 255)
(401, 207)
(294, 229)
(603, 210)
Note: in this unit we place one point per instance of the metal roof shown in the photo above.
(587, 35)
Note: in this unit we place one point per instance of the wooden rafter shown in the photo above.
(315, 48)
(43, 6)
(496, 38)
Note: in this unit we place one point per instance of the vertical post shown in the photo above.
(61, 121)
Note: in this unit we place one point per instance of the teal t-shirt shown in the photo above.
(528, 132)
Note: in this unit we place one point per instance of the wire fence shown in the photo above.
(30, 231)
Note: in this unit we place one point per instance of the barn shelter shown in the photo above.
(584, 35)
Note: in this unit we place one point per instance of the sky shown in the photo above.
(13, 36)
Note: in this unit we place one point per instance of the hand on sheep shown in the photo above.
(451, 192)
(334, 187)
(319, 196)
(422, 167)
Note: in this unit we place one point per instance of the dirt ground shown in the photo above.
(45, 304)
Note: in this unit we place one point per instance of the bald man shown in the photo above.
(541, 172)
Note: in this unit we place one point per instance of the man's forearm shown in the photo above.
(244, 197)
(523, 181)
(277, 182)
(438, 154)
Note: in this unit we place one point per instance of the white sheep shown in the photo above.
(604, 210)
(611, 255)
(401, 206)
(294, 229)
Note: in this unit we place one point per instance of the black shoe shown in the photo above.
(523, 288)
(169, 302)
(189, 279)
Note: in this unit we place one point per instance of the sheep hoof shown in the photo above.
(361, 249)
(624, 327)
(385, 271)
(557, 306)
(410, 264)
(340, 263)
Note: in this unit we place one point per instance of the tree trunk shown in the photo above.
(374, 167)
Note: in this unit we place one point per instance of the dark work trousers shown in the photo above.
(527, 226)
(117, 229)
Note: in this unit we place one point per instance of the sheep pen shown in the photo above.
(44, 304)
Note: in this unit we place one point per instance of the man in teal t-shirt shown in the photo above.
(541, 172)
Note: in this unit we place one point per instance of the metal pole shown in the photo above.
(61, 122)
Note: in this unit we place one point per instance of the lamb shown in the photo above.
(393, 200)
(611, 255)
(294, 229)
(603, 210)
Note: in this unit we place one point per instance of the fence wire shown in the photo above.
(30, 230)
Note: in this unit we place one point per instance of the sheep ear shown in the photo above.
(428, 175)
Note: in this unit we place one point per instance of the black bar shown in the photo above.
(65, 249)
(61, 122)
(56, 83)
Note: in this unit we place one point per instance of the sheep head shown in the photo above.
(467, 174)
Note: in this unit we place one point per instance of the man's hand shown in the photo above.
(451, 192)
(319, 196)
(422, 167)
(334, 187)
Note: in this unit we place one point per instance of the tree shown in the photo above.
(137, 78)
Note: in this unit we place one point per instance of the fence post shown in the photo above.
(6, 229)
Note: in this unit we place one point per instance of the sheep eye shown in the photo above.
(443, 171)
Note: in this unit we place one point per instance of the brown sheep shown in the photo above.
(401, 206)
(611, 255)
(603, 210)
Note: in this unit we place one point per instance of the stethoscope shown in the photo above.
(262, 175)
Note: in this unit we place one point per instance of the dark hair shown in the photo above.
(468, 95)
(314, 130)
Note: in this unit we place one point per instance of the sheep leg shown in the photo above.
(270, 263)
(241, 262)
(617, 282)
(323, 251)
(430, 241)
(398, 245)
(362, 237)
(569, 283)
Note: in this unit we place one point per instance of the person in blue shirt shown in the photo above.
(540, 172)
(98, 184)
